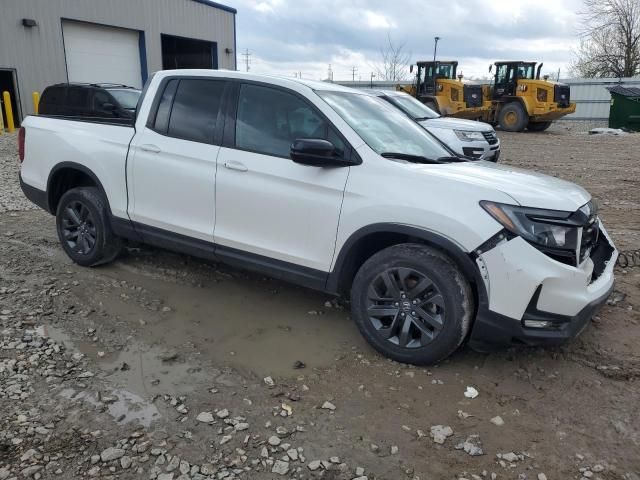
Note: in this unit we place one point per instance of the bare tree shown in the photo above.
(609, 39)
(394, 62)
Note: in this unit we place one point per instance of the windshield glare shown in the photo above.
(383, 127)
(412, 107)
(128, 99)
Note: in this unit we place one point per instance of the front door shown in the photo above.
(505, 81)
(266, 204)
(171, 174)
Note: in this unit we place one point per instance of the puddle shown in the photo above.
(247, 322)
(125, 407)
(138, 368)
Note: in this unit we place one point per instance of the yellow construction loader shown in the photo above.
(517, 98)
(437, 87)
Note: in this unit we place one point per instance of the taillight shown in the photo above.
(21, 134)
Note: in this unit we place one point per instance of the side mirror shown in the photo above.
(410, 68)
(316, 152)
(490, 68)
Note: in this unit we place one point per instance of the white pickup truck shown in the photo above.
(335, 190)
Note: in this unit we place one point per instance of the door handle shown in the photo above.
(150, 148)
(233, 165)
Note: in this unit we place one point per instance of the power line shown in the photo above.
(247, 58)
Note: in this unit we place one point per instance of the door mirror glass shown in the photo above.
(315, 152)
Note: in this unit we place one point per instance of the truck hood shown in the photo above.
(527, 188)
(456, 124)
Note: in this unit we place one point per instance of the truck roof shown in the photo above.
(293, 83)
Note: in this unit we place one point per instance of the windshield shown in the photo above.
(128, 98)
(412, 107)
(384, 128)
(526, 70)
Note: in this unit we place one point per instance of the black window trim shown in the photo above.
(151, 118)
(350, 157)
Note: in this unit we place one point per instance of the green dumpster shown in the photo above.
(625, 107)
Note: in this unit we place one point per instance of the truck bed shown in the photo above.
(97, 145)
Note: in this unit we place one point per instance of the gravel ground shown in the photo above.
(11, 197)
(166, 367)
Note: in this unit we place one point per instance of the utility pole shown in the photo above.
(558, 75)
(435, 47)
(371, 83)
(330, 74)
(247, 59)
(354, 70)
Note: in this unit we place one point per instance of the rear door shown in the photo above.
(266, 204)
(172, 169)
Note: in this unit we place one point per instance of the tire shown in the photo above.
(512, 117)
(435, 326)
(83, 226)
(538, 126)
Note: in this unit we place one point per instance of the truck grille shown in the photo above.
(562, 95)
(490, 137)
(472, 95)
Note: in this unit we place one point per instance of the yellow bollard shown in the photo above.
(36, 102)
(8, 111)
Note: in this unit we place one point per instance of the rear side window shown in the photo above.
(161, 122)
(77, 97)
(54, 96)
(269, 120)
(195, 110)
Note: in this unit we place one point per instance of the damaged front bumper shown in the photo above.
(536, 300)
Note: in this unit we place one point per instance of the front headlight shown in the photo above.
(469, 136)
(549, 229)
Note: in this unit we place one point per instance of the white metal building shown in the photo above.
(43, 42)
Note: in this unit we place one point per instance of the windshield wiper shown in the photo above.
(410, 158)
(420, 119)
(453, 159)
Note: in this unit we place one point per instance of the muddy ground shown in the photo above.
(155, 366)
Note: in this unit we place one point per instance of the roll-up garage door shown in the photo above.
(99, 54)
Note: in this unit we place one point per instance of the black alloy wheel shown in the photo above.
(412, 303)
(405, 307)
(84, 227)
(78, 228)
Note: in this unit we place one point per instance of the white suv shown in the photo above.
(333, 189)
(465, 137)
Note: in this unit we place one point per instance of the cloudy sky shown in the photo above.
(287, 36)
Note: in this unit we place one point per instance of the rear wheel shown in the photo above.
(512, 117)
(412, 303)
(83, 227)
(538, 126)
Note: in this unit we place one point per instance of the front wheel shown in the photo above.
(84, 229)
(412, 303)
(538, 126)
(513, 117)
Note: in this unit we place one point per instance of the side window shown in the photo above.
(501, 74)
(53, 100)
(161, 121)
(99, 99)
(269, 120)
(195, 110)
(78, 98)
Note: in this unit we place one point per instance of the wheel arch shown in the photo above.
(67, 175)
(369, 240)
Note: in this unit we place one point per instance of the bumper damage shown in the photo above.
(547, 303)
